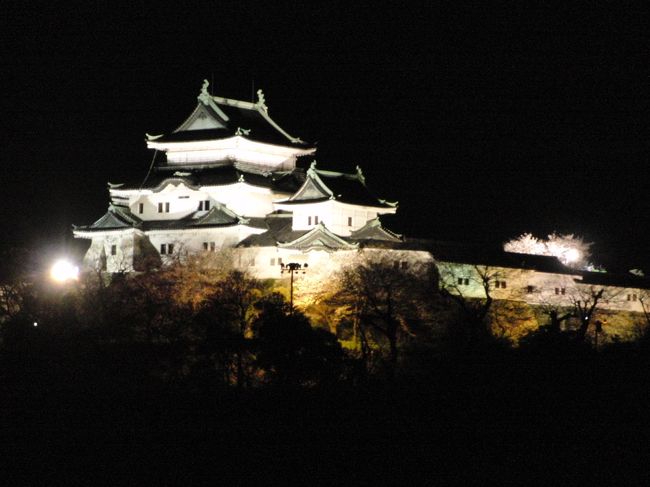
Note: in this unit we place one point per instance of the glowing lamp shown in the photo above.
(63, 271)
(572, 255)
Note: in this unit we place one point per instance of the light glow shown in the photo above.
(63, 271)
(572, 255)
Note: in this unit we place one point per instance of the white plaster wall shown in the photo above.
(244, 199)
(122, 261)
(333, 214)
(544, 284)
(191, 241)
(269, 156)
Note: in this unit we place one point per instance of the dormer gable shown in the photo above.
(374, 230)
(320, 238)
(202, 118)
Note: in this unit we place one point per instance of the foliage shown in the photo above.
(290, 350)
(386, 301)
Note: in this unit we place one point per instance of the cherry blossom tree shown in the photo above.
(570, 249)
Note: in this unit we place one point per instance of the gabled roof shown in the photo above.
(219, 215)
(373, 230)
(218, 118)
(282, 181)
(278, 226)
(329, 185)
(115, 218)
(319, 238)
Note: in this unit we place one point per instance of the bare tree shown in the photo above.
(388, 295)
(644, 299)
(470, 288)
(586, 300)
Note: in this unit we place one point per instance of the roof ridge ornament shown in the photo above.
(389, 203)
(204, 96)
(360, 175)
(261, 101)
(240, 131)
(311, 171)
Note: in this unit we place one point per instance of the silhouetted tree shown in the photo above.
(235, 296)
(473, 297)
(388, 296)
(290, 350)
(586, 300)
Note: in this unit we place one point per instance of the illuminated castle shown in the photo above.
(229, 177)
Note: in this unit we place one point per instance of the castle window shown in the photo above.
(631, 297)
(204, 205)
(530, 289)
(560, 290)
(405, 264)
(163, 247)
(163, 207)
(141, 208)
(272, 261)
(213, 246)
(463, 281)
(205, 245)
(113, 249)
(166, 249)
(316, 220)
(500, 284)
(308, 220)
(160, 207)
(349, 221)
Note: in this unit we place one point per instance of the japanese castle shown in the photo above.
(230, 177)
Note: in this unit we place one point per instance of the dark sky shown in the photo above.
(483, 123)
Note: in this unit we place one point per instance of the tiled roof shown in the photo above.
(115, 218)
(279, 231)
(218, 216)
(285, 181)
(373, 230)
(619, 280)
(229, 118)
(343, 187)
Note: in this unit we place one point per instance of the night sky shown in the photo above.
(482, 123)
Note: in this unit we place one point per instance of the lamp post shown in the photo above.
(292, 268)
(599, 328)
